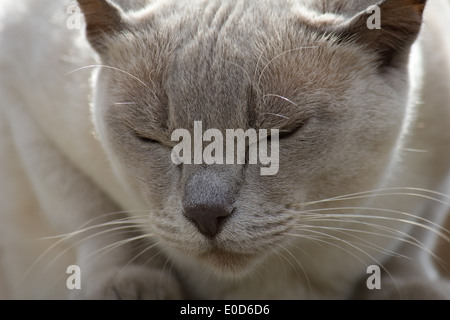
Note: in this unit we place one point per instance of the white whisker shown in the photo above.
(348, 232)
(112, 68)
(240, 67)
(278, 56)
(142, 252)
(102, 251)
(386, 192)
(129, 222)
(124, 103)
(328, 236)
(442, 232)
(298, 263)
(277, 115)
(281, 97)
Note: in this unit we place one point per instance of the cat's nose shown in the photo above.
(208, 219)
(209, 195)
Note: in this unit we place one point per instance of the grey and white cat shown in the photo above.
(86, 176)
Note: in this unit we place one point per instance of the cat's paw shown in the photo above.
(130, 283)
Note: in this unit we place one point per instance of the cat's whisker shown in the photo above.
(294, 267)
(438, 230)
(280, 55)
(281, 97)
(282, 260)
(277, 115)
(83, 240)
(260, 58)
(386, 192)
(147, 247)
(65, 237)
(348, 232)
(322, 235)
(358, 249)
(118, 70)
(108, 216)
(358, 246)
(415, 150)
(377, 209)
(403, 238)
(240, 67)
(112, 68)
(390, 232)
(391, 194)
(129, 220)
(165, 266)
(310, 216)
(102, 251)
(303, 251)
(110, 247)
(124, 103)
(399, 235)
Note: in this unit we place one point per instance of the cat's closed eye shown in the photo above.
(285, 134)
(291, 131)
(143, 138)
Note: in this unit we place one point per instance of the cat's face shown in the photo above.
(338, 104)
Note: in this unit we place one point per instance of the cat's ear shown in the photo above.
(388, 29)
(103, 19)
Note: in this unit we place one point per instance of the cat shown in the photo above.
(91, 92)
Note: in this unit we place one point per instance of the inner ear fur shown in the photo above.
(103, 19)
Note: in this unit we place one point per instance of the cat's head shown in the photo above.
(334, 84)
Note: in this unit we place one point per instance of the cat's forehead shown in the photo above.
(235, 65)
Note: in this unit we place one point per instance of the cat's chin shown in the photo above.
(224, 263)
(228, 264)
